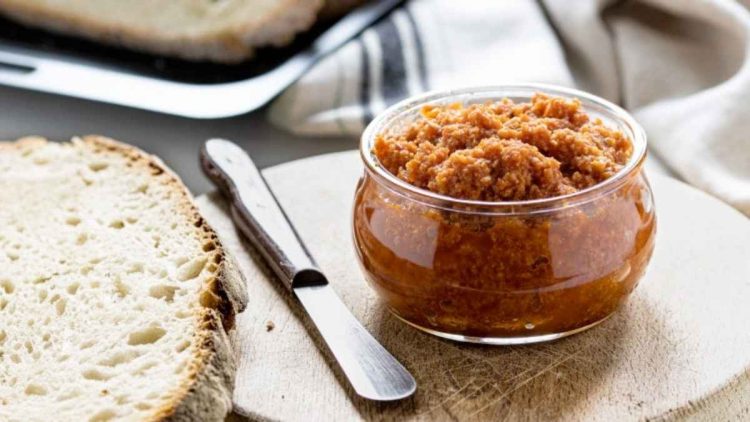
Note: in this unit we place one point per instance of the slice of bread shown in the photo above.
(216, 30)
(115, 295)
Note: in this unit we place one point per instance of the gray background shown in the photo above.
(176, 140)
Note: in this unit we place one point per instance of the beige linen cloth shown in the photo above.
(682, 67)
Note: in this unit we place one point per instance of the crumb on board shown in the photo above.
(270, 326)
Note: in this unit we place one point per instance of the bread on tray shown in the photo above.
(227, 31)
(115, 295)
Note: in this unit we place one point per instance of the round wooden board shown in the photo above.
(680, 347)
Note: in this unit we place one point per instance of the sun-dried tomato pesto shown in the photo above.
(500, 151)
(499, 270)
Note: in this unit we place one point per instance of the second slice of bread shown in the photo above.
(222, 31)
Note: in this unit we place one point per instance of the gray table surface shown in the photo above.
(176, 140)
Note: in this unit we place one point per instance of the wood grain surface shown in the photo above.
(679, 348)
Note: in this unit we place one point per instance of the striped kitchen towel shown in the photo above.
(682, 68)
(428, 44)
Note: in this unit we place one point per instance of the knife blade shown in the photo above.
(370, 369)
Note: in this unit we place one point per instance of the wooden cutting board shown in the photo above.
(680, 347)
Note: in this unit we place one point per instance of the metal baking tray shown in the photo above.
(38, 60)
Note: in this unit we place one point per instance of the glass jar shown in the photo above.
(504, 272)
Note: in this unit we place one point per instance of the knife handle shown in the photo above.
(257, 213)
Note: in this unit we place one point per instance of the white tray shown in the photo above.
(48, 70)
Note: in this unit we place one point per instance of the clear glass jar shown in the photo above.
(504, 272)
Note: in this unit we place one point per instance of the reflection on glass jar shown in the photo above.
(504, 272)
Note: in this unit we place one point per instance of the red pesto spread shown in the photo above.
(500, 151)
(458, 270)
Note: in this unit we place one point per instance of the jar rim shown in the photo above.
(604, 107)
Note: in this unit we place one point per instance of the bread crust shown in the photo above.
(231, 45)
(205, 392)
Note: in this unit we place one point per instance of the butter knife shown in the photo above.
(371, 370)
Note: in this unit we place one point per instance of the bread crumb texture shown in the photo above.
(103, 265)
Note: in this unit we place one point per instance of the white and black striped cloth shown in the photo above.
(393, 62)
(681, 67)
(425, 45)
